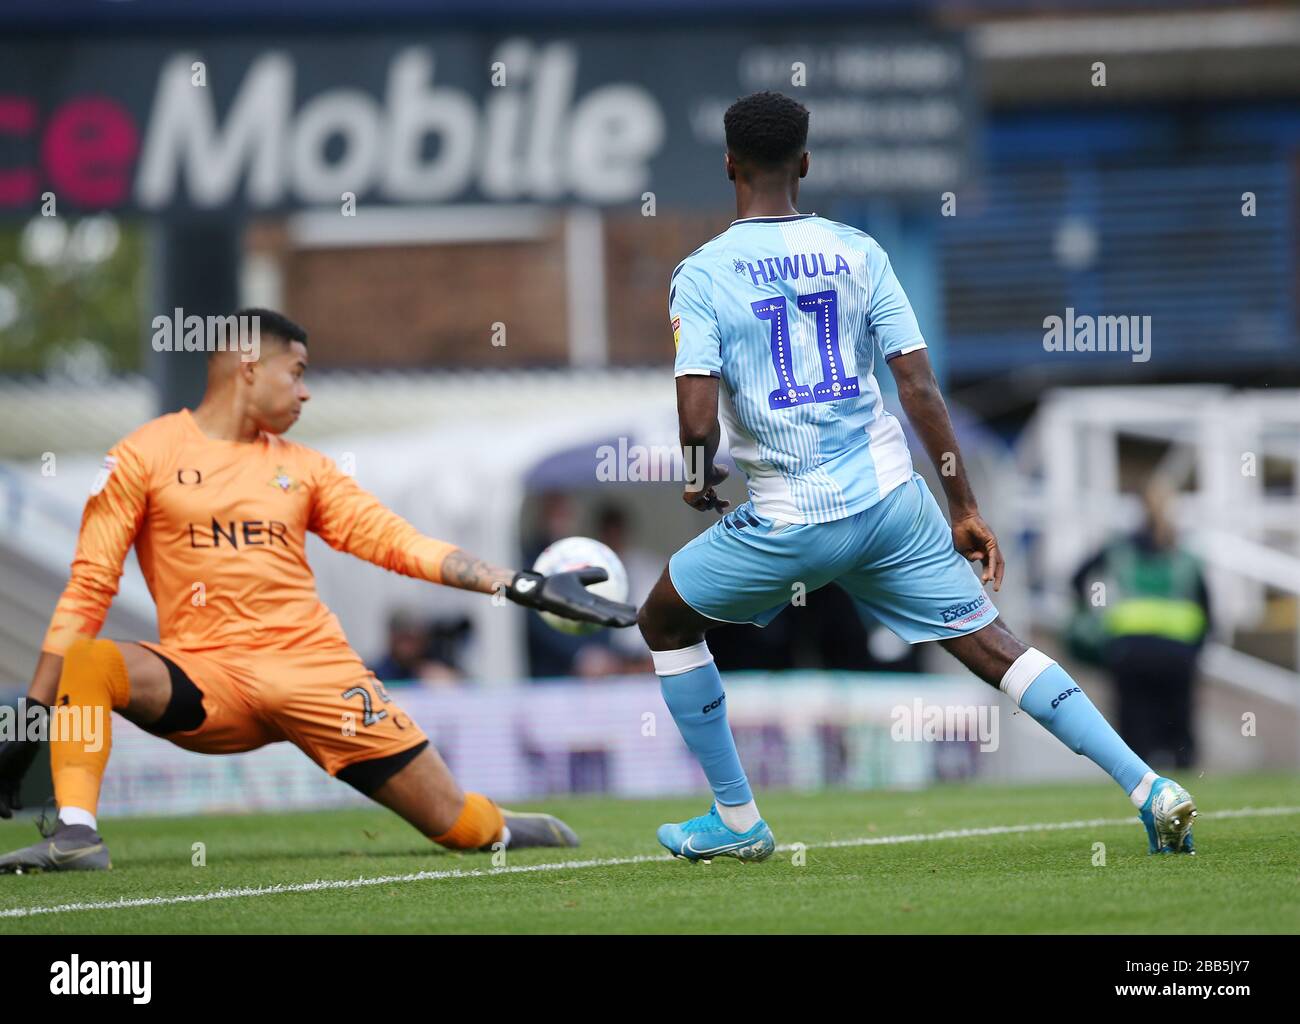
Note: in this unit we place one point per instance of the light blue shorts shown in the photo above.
(896, 558)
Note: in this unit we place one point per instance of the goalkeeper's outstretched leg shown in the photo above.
(97, 677)
(226, 703)
(418, 786)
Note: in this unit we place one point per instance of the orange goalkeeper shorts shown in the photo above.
(324, 701)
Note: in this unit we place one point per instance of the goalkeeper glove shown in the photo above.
(566, 594)
(16, 758)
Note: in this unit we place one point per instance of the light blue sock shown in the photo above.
(692, 689)
(1045, 690)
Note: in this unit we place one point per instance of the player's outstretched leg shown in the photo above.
(417, 785)
(1053, 699)
(93, 682)
(77, 847)
(98, 677)
(66, 848)
(692, 689)
(524, 829)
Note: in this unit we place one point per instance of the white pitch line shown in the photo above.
(607, 862)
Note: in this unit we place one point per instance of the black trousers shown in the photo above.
(1154, 678)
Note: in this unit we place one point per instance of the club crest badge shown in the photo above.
(284, 481)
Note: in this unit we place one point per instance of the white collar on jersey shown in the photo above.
(773, 220)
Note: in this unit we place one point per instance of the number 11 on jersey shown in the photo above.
(834, 385)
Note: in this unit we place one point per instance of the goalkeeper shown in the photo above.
(218, 506)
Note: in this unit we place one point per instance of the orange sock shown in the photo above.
(480, 824)
(93, 682)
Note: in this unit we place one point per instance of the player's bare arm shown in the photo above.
(700, 434)
(462, 570)
(919, 394)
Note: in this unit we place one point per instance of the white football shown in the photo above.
(578, 553)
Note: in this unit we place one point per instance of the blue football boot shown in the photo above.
(706, 837)
(1168, 814)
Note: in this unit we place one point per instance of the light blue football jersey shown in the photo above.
(788, 312)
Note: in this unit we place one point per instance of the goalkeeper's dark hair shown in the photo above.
(766, 130)
(275, 325)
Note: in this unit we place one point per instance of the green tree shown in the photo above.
(71, 295)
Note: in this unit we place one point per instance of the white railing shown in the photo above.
(1248, 540)
(41, 524)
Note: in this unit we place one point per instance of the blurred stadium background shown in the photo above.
(474, 208)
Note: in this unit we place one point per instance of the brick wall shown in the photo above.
(434, 305)
(640, 254)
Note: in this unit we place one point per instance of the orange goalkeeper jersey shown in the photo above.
(220, 529)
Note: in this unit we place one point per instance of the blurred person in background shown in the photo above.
(421, 651)
(1146, 625)
(827, 632)
(613, 529)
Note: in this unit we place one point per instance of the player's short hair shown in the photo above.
(766, 129)
(275, 325)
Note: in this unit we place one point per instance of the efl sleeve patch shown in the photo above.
(105, 471)
(677, 332)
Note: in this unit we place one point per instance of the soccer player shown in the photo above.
(218, 505)
(776, 322)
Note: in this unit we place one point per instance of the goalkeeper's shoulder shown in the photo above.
(150, 443)
(130, 468)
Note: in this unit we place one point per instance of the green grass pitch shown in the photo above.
(1037, 880)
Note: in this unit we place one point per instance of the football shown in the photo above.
(577, 553)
